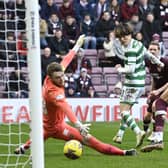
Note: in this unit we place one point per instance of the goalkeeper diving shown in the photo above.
(56, 108)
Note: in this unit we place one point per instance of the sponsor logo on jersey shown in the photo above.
(59, 97)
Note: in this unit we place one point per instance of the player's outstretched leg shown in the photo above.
(107, 148)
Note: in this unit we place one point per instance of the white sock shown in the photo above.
(159, 136)
(137, 130)
(120, 133)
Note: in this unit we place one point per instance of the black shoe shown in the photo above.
(19, 150)
(131, 152)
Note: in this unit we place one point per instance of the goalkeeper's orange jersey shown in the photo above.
(55, 105)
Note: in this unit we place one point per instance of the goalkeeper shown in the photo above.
(55, 108)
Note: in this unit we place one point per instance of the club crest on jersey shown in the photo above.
(59, 97)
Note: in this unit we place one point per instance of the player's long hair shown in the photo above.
(123, 29)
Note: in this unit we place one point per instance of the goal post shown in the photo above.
(35, 94)
(20, 68)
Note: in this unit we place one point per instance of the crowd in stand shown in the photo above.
(60, 26)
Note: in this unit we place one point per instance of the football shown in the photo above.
(73, 149)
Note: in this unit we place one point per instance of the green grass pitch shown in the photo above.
(54, 157)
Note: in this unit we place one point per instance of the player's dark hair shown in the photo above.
(54, 67)
(123, 29)
(155, 44)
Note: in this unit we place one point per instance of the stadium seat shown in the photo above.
(101, 90)
(109, 70)
(97, 79)
(97, 70)
(111, 79)
(90, 52)
(110, 88)
(166, 43)
(93, 61)
(100, 53)
(103, 61)
(165, 35)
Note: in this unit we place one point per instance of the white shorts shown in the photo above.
(129, 95)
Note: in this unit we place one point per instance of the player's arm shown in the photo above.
(68, 58)
(164, 94)
(153, 59)
(58, 100)
(83, 128)
(163, 88)
(130, 68)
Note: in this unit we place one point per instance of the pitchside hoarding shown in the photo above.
(96, 109)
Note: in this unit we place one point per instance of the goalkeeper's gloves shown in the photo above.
(79, 43)
(83, 128)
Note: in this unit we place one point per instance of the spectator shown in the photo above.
(22, 48)
(136, 23)
(128, 8)
(66, 9)
(114, 9)
(17, 86)
(138, 36)
(81, 8)
(46, 59)
(3, 57)
(156, 38)
(144, 8)
(43, 33)
(84, 83)
(47, 9)
(70, 84)
(78, 62)
(88, 28)
(116, 93)
(109, 52)
(10, 47)
(103, 26)
(54, 23)
(58, 44)
(20, 12)
(71, 30)
(149, 28)
(100, 7)
(6, 23)
(161, 14)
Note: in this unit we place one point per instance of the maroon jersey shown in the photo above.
(159, 77)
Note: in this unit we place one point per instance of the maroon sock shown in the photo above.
(159, 123)
(160, 105)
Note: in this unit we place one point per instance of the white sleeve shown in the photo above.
(127, 69)
(153, 59)
(117, 48)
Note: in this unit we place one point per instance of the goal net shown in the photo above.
(18, 41)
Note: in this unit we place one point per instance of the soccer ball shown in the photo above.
(73, 149)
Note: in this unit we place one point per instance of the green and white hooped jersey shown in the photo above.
(134, 54)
